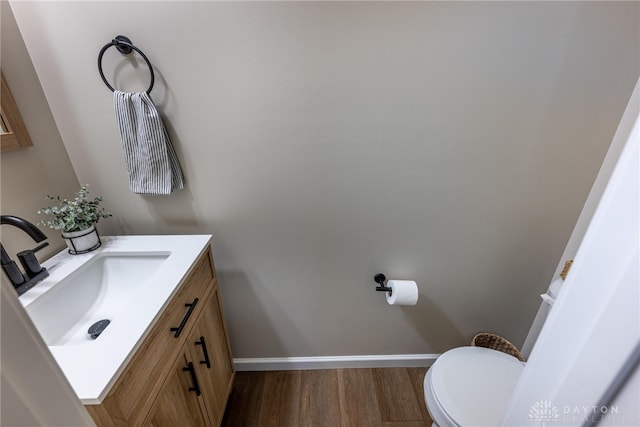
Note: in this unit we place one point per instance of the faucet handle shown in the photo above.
(14, 273)
(29, 261)
(42, 246)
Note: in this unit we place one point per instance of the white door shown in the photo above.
(595, 322)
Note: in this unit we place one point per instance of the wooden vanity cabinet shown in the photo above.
(197, 375)
(158, 386)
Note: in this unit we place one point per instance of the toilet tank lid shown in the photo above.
(473, 385)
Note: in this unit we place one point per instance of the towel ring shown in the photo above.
(124, 46)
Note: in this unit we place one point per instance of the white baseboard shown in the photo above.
(334, 362)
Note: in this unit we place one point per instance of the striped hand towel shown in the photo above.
(151, 161)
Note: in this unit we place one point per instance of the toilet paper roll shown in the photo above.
(403, 292)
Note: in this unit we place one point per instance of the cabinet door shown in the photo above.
(177, 403)
(211, 358)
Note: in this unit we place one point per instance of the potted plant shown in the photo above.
(76, 218)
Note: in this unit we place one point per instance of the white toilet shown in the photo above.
(470, 386)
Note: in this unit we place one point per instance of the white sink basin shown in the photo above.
(129, 280)
(96, 291)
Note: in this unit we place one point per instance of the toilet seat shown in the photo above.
(470, 386)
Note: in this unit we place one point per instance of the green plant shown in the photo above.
(73, 215)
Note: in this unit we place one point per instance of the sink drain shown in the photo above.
(96, 329)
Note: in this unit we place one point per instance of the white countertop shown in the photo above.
(93, 368)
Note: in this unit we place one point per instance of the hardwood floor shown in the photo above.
(389, 397)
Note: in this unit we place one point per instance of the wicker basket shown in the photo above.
(496, 342)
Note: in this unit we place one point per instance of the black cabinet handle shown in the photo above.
(204, 352)
(194, 379)
(185, 319)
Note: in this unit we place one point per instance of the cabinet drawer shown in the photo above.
(133, 393)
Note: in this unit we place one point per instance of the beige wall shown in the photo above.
(28, 175)
(450, 143)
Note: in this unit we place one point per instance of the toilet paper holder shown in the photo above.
(380, 279)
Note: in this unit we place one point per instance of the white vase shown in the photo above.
(82, 241)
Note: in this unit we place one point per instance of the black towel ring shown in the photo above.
(124, 46)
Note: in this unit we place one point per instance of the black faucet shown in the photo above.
(33, 271)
